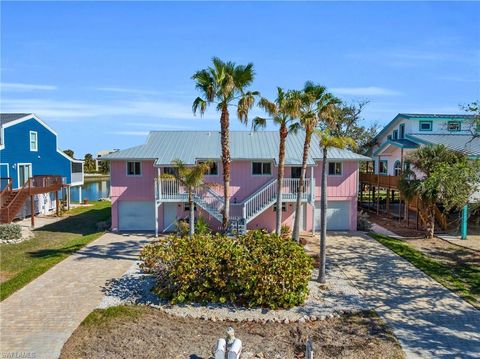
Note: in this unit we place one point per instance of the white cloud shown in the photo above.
(128, 90)
(21, 87)
(364, 91)
(63, 110)
(129, 133)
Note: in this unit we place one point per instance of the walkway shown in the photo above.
(429, 320)
(38, 319)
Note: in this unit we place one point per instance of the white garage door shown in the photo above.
(338, 216)
(136, 216)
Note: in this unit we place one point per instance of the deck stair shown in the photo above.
(12, 201)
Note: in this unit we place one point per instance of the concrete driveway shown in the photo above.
(428, 319)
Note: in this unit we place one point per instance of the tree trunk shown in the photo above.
(430, 222)
(192, 213)
(281, 173)
(323, 220)
(301, 186)
(225, 141)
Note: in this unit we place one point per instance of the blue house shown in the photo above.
(29, 157)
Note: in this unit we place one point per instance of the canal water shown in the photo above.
(92, 190)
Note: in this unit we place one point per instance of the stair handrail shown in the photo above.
(25, 189)
(264, 196)
(8, 188)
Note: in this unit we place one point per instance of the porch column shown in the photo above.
(464, 225)
(32, 212)
(314, 223)
(387, 203)
(56, 202)
(69, 198)
(80, 194)
(156, 218)
(312, 198)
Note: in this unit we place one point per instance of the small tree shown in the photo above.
(69, 153)
(440, 175)
(89, 165)
(473, 108)
(192, 178)
(327, 140)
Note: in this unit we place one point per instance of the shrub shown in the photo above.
(201, 226)
(182, 228)
(10, 232)
(255, 269)
(363, 224)
(285, 232)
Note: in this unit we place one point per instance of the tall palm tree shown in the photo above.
(283, 112)
(223, 84)
(327, 140)
(316, 104)
(192, 178)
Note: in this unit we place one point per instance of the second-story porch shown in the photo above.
(211, 199)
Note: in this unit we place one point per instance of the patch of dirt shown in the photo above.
(4, 276)
(399, 228)
(446, 252)
(154, 334)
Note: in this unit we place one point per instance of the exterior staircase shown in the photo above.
(11, 201)
(210, 201)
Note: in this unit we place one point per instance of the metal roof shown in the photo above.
(430, 115)
(190, 146)
(463, 143)
(9, 117)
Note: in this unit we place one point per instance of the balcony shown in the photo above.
(383, 181)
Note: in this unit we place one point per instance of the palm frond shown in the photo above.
(259, 122)
(200, 105)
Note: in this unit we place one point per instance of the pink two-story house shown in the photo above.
(143, 199)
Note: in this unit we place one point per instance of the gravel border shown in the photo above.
(338, 297)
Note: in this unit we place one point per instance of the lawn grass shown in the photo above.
(23, 262)
(462, 278)
(102, 316)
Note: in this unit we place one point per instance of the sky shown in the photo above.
(103, 74)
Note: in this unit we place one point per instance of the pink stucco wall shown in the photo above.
(130, 188)
(243, 184)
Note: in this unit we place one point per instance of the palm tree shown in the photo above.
(191, 177)
(316, 104)
(283, 112)
(223, 84)
(326, 140)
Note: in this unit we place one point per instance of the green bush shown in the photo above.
(182, 228)
(255, 269)
(201, 226)
(10, 232)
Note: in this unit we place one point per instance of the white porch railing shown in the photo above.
(171, 190)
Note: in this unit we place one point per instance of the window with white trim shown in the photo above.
(401, 131)
(454, 126)
(383, 167)
(134, 168)
(261, 168)
(33, 141)
(335, 168)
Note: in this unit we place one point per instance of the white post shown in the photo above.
(312, 199)
(156, 219)
(80, 194)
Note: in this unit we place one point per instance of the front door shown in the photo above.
(24, 173)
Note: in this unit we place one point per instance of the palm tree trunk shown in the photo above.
(301, 185)
(323, 219)
(225, 141)
(431, 222)
(281, 173)
(192, 213)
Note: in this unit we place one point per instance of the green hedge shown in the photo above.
(10, 231)
(255, 269)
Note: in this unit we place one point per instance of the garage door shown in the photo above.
(136, 216)
(338, 216)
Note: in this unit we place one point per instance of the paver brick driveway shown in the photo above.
(428, 319)
(38, 319)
